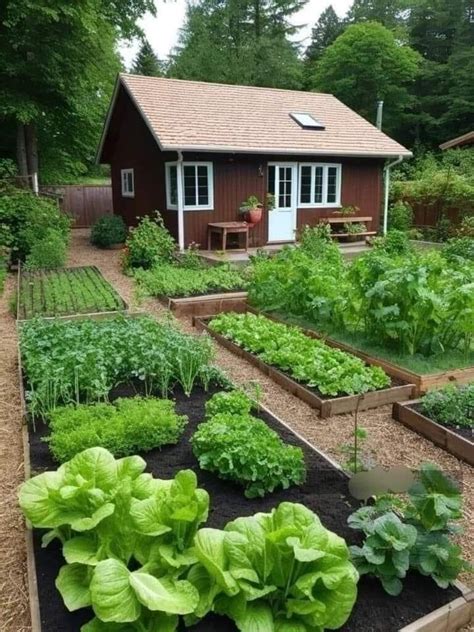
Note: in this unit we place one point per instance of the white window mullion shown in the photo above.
(325, 185)
(313, 184)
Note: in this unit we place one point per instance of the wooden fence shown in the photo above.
(84, 203)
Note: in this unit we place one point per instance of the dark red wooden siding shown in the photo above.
(130, 144)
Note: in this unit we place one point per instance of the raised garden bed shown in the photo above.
(327, 406)
(458, 442)
(422, 606)
(422, 382)
(207, 304)
(65, 292)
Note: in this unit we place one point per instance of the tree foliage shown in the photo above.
(146, 62)
(366, 64)
(58, 61)
(245, 42)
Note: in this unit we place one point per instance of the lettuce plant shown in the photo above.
(234, 402)
(307, 360)
(281, 571)
(127, 537)
(243, 449)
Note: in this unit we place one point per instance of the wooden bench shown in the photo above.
(351, 219)
(225, 228)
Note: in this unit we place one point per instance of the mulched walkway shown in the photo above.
(388, 442)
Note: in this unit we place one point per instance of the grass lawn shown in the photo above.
(417, 363)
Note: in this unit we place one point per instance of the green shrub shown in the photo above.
(234, 402)
(108, 230)
(459, 248)
(48, 252)
(466, 227)
(26, 218)
(127, 426)
(4, 258)
(310, 361)
(149, 243)
(400, 216)
(395, 242)
(81, 361)
(166, 279)
(451, 405)
(245, 450)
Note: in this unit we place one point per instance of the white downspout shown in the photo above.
(179, 175)
(386, 171)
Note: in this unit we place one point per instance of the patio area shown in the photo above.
(349, 251)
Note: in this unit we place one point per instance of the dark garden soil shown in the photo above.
(466, 433)
(325, 492)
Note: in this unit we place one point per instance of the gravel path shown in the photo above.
(388, 442)
(14, 607)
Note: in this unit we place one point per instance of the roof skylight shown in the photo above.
(306, 121)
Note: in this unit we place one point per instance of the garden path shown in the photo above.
(14, 607)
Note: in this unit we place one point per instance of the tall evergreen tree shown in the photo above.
(146, 62)
(324, 32)
(239, 41)
(441, 31)
(391, 13)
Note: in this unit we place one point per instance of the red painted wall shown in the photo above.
(129, 144)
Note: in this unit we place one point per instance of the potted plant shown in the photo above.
(347, 211)
(252, 210)
(354, 230)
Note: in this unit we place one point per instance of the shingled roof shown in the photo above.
(200, 116)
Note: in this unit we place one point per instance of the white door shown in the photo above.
(282, 184)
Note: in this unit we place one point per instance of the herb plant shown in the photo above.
(81, 361)
(243, 449)
(307, 360)
(276, 571)
(450, 406)
(411, 535)
(127, 537)
(67, 291)
(127, 426)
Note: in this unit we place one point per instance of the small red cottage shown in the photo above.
(196, 151)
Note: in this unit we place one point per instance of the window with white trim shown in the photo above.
(128, 182)
(320, 184)
(197, 185)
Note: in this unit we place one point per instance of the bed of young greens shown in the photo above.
(307, 360)
(66, 291)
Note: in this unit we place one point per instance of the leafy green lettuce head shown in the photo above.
(278, 572)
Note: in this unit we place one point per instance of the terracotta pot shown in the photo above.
(254, 215)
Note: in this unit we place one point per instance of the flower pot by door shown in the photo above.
(254, 215)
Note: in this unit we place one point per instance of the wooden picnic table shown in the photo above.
(225, 228)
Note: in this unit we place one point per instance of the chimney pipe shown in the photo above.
(379, 114)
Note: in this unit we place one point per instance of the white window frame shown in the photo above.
(210, 182)
(126, 192)
(325, 166)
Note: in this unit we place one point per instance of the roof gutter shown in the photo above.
(179, 175)
(386, 170)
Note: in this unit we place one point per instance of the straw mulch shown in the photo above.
(14, 608)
